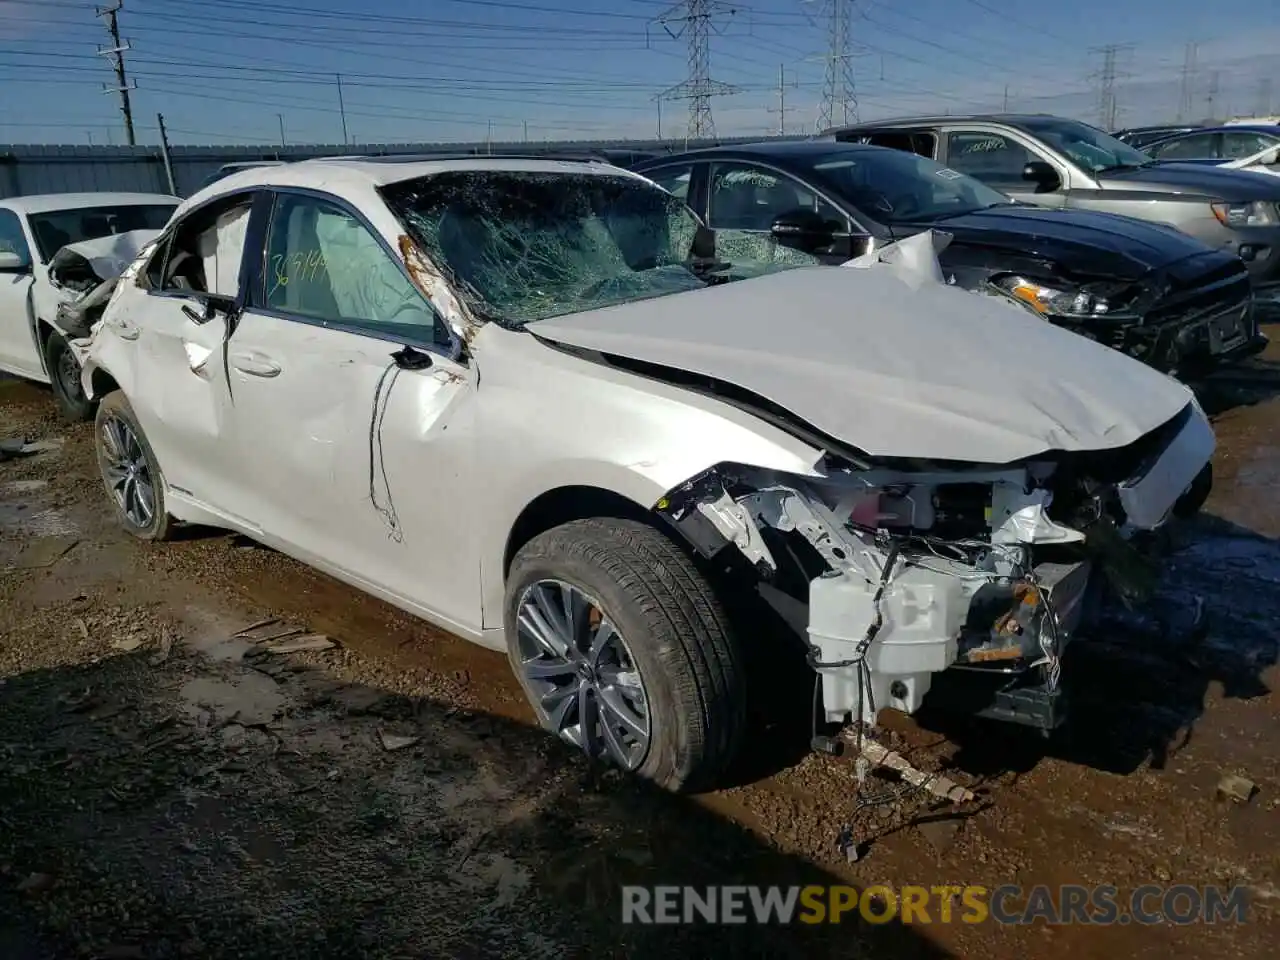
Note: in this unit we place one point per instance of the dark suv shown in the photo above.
(1148, 290)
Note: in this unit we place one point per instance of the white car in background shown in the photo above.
(523, 400)
(33, 230)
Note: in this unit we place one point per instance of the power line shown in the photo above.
(116, 53)
(695, 21)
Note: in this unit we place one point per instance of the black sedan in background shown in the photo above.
(1149, 290)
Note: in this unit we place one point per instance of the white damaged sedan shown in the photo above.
(522, 400)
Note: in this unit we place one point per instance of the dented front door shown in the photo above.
(354, 462)
(351, 458)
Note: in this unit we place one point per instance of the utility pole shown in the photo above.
(1108, 102)
(1214, 77)
(781, 108)
(164, 152)
(839, 101)
(658, 101)
(525, 126)
(342, 109)
(1005, 108)
(1186, 99)
(116, 52)
(694, 19)
(1263, 106)
(280, 117)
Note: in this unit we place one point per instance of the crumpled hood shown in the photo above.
(107, 256)
(891, 367)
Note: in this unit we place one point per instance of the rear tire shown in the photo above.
(64, 378)
(669, 636)
(130, 471)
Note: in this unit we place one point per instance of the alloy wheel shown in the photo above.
(582, 673)
(125, 468)
(68, 374)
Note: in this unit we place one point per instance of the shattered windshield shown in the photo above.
(897, 187)
(523, 246)
(1088, 146)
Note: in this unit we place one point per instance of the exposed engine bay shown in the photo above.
(896, 573)
(86, 274)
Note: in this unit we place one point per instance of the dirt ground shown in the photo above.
(168, 790)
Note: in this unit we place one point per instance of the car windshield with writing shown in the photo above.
(898, 187)
(526, 246)
(1087, 146)
(54, 229)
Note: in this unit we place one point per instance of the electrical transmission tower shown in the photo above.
(1108, 103)
(1186, 99)
(839, 100)
(116, 52)
(694, 20)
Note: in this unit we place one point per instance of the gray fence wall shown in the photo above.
(31, 169)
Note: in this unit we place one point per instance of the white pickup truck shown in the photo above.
(101, 228)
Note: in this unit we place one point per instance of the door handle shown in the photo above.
(255, 364)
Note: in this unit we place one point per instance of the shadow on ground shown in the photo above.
(172, 805)
(1138, 685)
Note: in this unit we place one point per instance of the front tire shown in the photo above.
(64, 378)
(130, 471)
(624, 651)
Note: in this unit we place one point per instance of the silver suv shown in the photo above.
(1055, 162)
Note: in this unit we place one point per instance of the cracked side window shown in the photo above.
(745, 201)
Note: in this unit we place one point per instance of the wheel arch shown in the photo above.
(563, 504)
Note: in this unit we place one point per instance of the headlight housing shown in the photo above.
(1259, 213)
(1055, 301)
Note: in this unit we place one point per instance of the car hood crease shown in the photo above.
(892, 368)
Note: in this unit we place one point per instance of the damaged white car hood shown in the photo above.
(107, 256)
(892, 367)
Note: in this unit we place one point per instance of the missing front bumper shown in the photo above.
(1023, 698)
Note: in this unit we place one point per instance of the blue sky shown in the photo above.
(234, 70)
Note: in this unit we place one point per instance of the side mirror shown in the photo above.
(209, 307)
(11, 262)
(803, 229)
(1042, 175)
